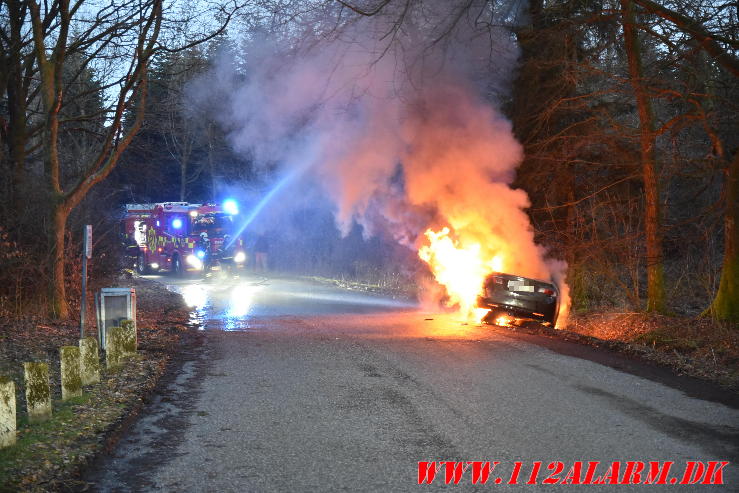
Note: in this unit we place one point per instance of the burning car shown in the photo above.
(510, 298)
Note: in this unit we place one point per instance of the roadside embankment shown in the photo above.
(49, 456)
(697, 347)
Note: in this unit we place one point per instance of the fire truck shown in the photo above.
(180, 237)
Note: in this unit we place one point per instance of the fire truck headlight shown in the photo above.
(193, 261)
(200, 254)
(240, 257)
(154, 265)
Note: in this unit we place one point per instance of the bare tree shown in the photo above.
(180, 129)
(647, 141)
(118, 41)
(725, 305)
(721, 43)
(17, 72)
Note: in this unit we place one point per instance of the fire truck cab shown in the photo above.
(180, 237)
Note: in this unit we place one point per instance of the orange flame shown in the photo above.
(460, 268)
(461, 264)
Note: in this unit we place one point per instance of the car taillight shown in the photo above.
(547, 291)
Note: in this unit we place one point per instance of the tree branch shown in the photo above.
(366, 13)
(707, 40)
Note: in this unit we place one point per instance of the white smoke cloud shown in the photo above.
(397, 120)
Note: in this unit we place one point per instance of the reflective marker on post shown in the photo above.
(88, 241)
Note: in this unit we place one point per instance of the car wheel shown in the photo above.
(141, 266)
(553, 321)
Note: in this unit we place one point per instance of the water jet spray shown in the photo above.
(263, 202)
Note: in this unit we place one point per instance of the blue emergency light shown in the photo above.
(177, 223)
(230, 207)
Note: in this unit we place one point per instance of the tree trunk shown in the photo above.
(16, 101)
(58, 299)
(17, 130)
(183, 179)
(50, 61)
(652, 221)
(725, 305)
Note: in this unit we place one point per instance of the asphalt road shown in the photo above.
(303, 387)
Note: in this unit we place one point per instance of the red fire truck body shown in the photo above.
(179, 237)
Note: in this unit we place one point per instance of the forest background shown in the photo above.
(626, 110)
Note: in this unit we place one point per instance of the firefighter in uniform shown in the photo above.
(203, 244)
(227, 252)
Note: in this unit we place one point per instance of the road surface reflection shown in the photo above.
(236, 303)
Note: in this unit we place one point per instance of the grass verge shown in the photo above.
(698, 347)
(48, 456)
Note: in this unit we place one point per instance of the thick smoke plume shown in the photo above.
(402, 133)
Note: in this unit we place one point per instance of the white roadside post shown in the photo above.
(89, 361)
(69, 357)
(7, 412)
(114, 347)
(130, 343)
(86, 254)
(38, 393)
